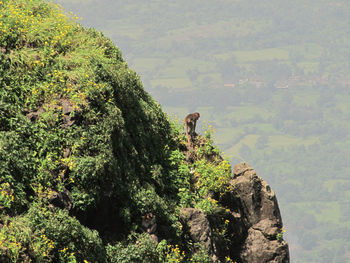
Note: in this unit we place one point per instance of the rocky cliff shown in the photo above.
(255, 222)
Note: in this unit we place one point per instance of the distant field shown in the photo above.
(145, 64)
(256, 55)
(267, 129)
(307, 98)
(309, 67)
(172, 82)
(189, 63)
(323, 211)
(175, 73)
(220, 29)
(306, 52)
(343, 103)
(214, 79)
(283, 141)
(263, 54)
(248, 140)
(224, 136)
(117, 29)
(330, 213)
(247, 111)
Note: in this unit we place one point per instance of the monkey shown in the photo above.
(190, 125)
(149, 225)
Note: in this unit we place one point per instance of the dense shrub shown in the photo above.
(85, 152)
(49, 236)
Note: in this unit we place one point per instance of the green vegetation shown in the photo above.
(296, 137)
(86, 153)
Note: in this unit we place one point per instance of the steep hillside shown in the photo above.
(92, 170)
(272, 77)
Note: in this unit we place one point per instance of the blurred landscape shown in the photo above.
(271, 77)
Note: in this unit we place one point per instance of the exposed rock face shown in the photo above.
(255, 222)
(61, 199)
(262, 218)
(199, 229)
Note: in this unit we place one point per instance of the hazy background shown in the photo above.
(272, 77)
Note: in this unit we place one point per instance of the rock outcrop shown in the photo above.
(255, 222)
(199, 229)
(262, 218)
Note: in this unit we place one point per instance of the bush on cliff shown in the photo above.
(85, 152)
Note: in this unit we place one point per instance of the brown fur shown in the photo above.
(190, 125)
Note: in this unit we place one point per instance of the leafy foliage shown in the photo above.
(260, 47)
(49, 237)
(141, 250)
(86, 153)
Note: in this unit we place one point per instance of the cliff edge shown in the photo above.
(261, 216)
(254, 222)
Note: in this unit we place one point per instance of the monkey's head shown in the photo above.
(197, 115)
